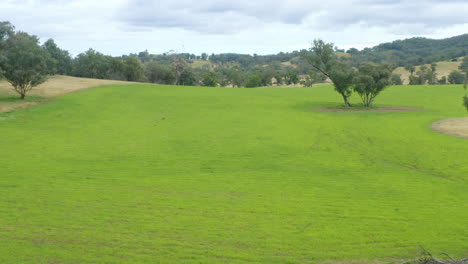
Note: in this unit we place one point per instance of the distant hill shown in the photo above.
(414, 51)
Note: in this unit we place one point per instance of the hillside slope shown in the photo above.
(56, 86)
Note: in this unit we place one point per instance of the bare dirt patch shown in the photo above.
(55, 86)
(456, 127)
(373, 109)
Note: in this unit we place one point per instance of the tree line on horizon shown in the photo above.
(25, 64)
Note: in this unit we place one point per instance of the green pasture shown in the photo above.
(164, 174)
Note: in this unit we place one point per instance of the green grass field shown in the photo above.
(163, 174)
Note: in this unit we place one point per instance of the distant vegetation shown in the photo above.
(414, 51)
(417, 55)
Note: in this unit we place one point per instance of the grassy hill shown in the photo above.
(444, 68)
(57, 85)
(164, 174)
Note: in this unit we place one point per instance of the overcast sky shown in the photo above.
(117, 27)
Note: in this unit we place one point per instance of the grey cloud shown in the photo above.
(417, 13)
(210, 16)
(226, 17)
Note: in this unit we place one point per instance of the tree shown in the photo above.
(91, 64)
(233, 76)
(312, 78)
(414, 80)
(159, 73)
(115, 69)
(371, 80)
(322, 57)
(25, 63)
(456, 77)
(431, 75)
(443, 80)
(465, 101)
(133, 70)
(254, 80)
(422, 74)
(182, 71)
(6, 30)
(209, 79)
(464, 68)
(410, 68)
(188, 77)
(278, 78)
(353, 51)
(291, 77)
(63, 60)
(395, 79)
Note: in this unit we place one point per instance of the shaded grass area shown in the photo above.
(10, 102)
(146, 173)
(9, 98)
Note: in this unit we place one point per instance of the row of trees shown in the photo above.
(178, 70)
(25, 64)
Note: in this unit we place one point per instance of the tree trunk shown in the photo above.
(345, 99)
(22, 96)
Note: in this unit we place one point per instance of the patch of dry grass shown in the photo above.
(457, 127)
(55, 86)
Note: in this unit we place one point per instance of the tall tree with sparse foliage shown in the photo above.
(322, 57)
(25, 64)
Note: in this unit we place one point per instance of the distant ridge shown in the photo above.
(416, 51)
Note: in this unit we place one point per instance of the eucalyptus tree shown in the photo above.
(322, 57)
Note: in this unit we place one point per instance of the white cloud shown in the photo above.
(123, 26)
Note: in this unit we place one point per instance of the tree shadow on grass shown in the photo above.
(11, 98)
(333, 107)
